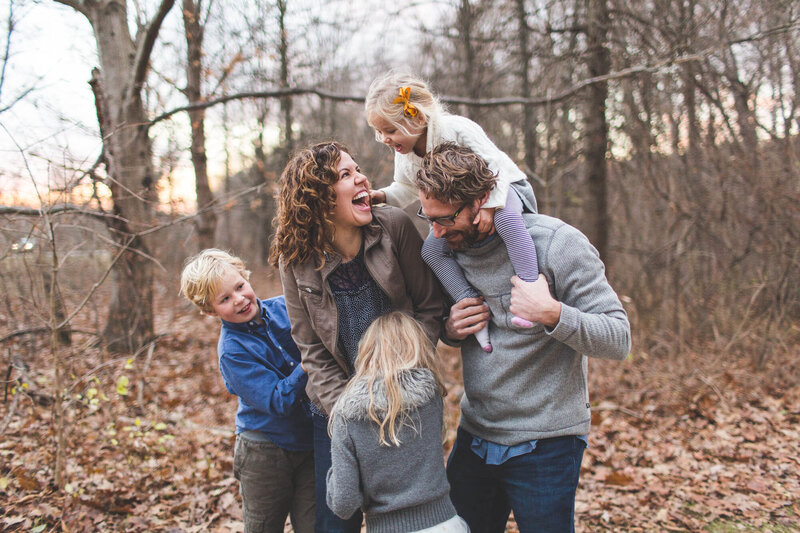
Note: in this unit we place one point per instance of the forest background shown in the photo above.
(666, 130)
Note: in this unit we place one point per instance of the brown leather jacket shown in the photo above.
(392, 254)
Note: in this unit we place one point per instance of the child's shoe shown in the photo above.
(483, 339)
(521, 322)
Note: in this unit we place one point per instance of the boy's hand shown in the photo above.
(485, 219)
(377, 197)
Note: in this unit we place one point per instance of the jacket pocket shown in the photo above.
(307, 289)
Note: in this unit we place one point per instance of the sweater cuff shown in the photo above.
(443, 335)
(567, 325)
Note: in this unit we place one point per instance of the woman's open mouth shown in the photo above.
(361, 200)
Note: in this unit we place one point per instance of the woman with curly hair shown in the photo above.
(343, 263)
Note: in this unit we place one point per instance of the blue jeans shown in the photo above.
(327, 521)
(538, 486)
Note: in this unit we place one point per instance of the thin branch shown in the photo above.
(514, 100)
(18, 98)
(7, 52)
(57, 209)
(77, 5)
(271, 93)
(490, 102)
(146, 47)
(42, 329)
(122, 249)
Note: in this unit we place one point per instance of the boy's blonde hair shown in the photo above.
(380, 101)
(203, 272)
(393, 342)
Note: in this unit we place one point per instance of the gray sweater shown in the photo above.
(399, 488)
(534, 384)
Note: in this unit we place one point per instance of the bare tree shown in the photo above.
(206, 221)
(117, 86)
(529, 114)
(5, 103)
(596, 135)
(286, 102)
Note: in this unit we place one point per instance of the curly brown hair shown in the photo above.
(454, 174)
(305, 201)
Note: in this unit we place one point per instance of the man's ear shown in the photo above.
(483, 199)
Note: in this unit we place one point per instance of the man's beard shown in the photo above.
(468, 236)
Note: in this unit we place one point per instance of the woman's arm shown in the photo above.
(421, 283)
(326, 379)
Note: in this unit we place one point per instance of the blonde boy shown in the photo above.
(260, 363)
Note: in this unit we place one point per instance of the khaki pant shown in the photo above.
(274, 483)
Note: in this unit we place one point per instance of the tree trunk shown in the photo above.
(530, 141)
(117, 85)
(596, 143)
(286, 101)
(465, 20)
(206, 220)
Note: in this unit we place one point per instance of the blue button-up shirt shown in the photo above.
(497, 454)
(260, 363)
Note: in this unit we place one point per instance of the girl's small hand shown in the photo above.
(377, 197)
(484, 219)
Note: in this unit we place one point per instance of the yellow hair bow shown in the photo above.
(409, 109)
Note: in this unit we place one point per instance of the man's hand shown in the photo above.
(467, 316)
(532, 301)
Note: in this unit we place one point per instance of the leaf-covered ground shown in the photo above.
(680, 442)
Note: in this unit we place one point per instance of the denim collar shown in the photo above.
(250, 326)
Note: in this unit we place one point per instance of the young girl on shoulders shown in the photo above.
(409, 118)
(386, 432)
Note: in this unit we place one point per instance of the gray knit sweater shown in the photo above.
(534, 384)
(399, 488)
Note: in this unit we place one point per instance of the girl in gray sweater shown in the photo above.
(386, 431)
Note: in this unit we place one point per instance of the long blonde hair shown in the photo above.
(394, 342)
(385, 88)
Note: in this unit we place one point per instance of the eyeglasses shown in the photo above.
(442, 221)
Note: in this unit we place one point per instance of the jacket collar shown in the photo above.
(418, 387)
(372, 234)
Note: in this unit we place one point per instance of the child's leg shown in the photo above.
(511, 227)
(303, 507)
(521, 251)
(436, 255)
(263, 474)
